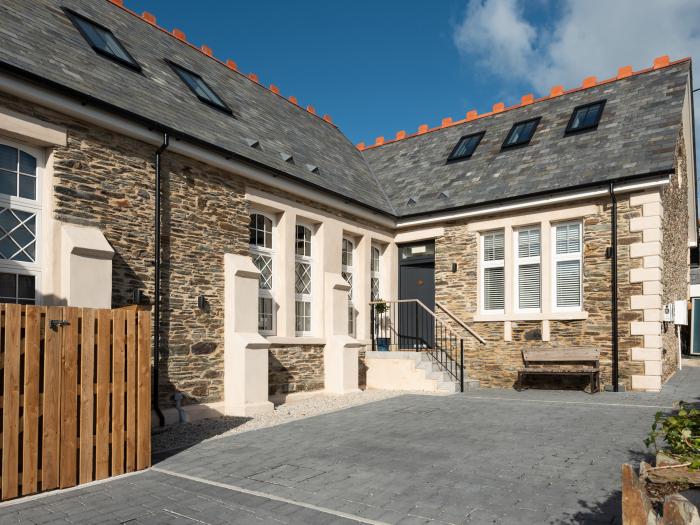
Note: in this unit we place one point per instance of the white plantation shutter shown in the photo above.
(529, 286)
(567, 265)
(568, 284)
(493, 271)
(527, 264)
(494, 287)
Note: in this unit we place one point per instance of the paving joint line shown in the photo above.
(550, 401)
(281, 499)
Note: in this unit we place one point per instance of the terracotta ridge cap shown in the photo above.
(623, 73)
(207, 51)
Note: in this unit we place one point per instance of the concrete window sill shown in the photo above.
(281, 340)
(538, 316)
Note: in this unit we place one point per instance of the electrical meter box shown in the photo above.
(680, 312)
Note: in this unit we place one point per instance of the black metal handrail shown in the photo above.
(410, 325)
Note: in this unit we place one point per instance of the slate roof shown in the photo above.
(636, 135)
(41, 40)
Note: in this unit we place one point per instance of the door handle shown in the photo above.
(54, 324)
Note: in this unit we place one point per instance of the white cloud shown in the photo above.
(591, 37)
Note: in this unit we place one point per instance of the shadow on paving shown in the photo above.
(170, 440)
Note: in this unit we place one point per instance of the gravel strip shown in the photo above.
(177, 437)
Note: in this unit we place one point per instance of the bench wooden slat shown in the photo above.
(562, 355)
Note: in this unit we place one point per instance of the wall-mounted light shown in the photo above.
(454, 267)
(136, 296)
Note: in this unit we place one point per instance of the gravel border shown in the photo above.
(173, 438)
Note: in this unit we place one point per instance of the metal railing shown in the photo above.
(459, 322)
(410, 325)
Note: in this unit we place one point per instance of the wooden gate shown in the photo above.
(76, 396)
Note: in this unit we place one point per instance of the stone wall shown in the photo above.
(674, 254)
(295, 368)
(105, 180)
(496, 363)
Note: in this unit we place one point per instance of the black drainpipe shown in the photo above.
(156, 332)
(613, 315)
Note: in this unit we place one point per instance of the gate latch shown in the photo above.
(54, 324)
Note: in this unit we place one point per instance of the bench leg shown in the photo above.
(518, 383)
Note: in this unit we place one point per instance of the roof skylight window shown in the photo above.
(103, 41)
(586, 117)
(200, 88)
(465, 147)
(521, 133)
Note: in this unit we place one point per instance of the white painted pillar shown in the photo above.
(284, 273)
(361, 291)
(341, 353)
(86, 267)
(245, 350)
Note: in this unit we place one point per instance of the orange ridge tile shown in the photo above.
(205, 50)
(556, 91)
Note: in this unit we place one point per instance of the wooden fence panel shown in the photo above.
(32, 371)
(118, 355)
(69, 399)
(87, 395)
(51, 400)
(102, 421)
(131, 388)
(10, 408)
(83, 376)
(143, 414)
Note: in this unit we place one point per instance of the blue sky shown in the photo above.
(379, 67)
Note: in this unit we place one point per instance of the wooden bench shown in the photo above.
(559, 362)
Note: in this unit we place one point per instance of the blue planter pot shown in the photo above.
(383, 344)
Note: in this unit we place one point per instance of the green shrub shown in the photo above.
(680, 431)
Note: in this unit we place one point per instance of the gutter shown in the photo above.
(625, 184)
(156, 332)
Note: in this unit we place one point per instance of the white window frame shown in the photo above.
(267, 252)
(483, 264)
(525, 261)
(30, 206)
(304, 297)
(375, 273)
(566, 257)
(348, 270)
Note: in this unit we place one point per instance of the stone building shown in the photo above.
(276, 233)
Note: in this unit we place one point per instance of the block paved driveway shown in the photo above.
(490, 456)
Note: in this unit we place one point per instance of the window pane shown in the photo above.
(303, 241)
(529, 286)
(375, 288)
(27, 187)
(8, 158)
(568, 284)
(265, 314)
(494, 246)
(8, 182)
(568, 239)
(529, 243)
(302, 282)
(493, 289)
(375, 260)
(102, 39)
(26, 286)
(27, 163)
(8, 285)
(264, 264)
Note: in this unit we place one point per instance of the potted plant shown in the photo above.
(382, 323)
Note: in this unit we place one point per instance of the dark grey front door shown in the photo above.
(416, 281)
